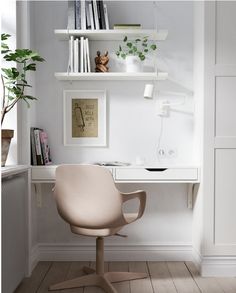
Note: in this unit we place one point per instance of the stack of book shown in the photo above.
(87, 14)
(79, 57)
(40, 152)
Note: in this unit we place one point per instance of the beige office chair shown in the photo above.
(88, 200)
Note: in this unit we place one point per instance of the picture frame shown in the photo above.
(85, 116)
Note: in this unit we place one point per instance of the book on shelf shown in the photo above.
(95, 14)
(127, 26)
(77, 15)
(88, 55)
(106, 16)
(71, 14)
(91, 16)
(85, 57)
(76, 55)
(40, 152)
(101, 15)
(82, 54)
(87, 11)
(45, 147)
(83, 15)
(71, 54)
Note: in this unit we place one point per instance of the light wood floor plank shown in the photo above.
(206, 285)
(142, 285)
(33, 283)
(227, 284)
(95, 289)
(182, 278)
(160, 277)
(75, 271)
(56, 274)
(119, 266)
(170, 277)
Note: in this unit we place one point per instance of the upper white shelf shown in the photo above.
(113, 35)
(112, 76)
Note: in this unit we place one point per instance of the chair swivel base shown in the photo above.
(103, 281)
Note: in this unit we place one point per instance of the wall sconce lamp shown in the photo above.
(148, 91)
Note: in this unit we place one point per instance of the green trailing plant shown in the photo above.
(14, 78)
(139, 47)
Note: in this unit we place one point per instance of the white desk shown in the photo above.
(134, 174)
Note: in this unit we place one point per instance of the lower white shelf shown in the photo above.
(112, 76)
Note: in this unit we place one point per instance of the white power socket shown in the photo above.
(163, 108)
(167, 153)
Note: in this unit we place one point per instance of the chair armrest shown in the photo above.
(139, 194)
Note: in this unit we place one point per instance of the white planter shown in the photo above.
(133, 64)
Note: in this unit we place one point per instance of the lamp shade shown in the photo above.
(148, 91)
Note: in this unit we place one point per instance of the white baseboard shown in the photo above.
(74, 252)
(215, 266)
(33, 259)
(209, 266)
(218, 266)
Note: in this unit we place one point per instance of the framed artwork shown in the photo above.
(85, 118)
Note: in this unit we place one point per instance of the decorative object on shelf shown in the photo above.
(134, 51)
(85, 118)
(101, 62)
(14, 84)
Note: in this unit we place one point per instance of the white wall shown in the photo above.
(133, 126)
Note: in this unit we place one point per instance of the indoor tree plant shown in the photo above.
(14, 84)
(134, 52)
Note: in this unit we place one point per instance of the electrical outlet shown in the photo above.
(167, 153)
(162, 108)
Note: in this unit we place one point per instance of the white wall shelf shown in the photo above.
(112, 35)
(112, 76)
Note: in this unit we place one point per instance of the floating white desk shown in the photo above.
(134, 174)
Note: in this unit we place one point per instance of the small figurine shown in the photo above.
(101, 62)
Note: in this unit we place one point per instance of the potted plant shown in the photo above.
(14, 84)
(134, 52)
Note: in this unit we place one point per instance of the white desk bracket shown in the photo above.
(38, 194)
(190, 195)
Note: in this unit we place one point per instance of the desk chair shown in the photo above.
(87, 199)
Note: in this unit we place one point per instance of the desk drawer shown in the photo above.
(154, 174)
(47, 173)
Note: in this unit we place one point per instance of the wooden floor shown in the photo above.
(164, 277)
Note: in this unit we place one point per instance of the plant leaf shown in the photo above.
(125, 39)
(153, 47)
(4, 37)
(31, 66)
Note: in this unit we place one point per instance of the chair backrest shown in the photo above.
(86, 196)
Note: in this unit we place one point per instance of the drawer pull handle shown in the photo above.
(156, 169)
